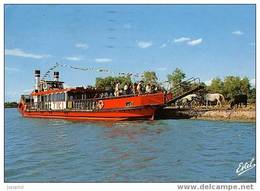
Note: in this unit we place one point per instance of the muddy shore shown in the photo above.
(237, 114)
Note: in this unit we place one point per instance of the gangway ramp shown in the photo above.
(185, 88)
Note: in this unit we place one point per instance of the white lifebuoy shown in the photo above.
(100, 104)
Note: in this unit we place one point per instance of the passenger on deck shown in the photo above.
(154, 88)
(117, 89)
(148, 89)
(126, 89)
(139, 87)
(134, 88)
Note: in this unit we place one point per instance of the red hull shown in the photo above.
(117, 115)
(114, 109)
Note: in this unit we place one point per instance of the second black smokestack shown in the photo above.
(56, 76)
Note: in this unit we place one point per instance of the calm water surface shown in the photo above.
(41, 150)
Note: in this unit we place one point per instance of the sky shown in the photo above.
(204, 41)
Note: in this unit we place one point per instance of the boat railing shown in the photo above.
(89, 104)
(85, 104)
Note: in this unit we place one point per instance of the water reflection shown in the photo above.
(134, 129)
(129, 148)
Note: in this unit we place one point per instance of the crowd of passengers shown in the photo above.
(131, 89)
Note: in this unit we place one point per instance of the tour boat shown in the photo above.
(50, 99)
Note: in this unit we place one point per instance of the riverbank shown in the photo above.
(237, 114)
(233, 115)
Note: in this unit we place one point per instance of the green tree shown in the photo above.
(123, 80)
(252, 94)
(176, 77)
(150, 77)
(110, 81)
(245, 86)
(11, 105)
(232, 86)
(216, 86)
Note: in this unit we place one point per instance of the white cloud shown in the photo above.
(12, 95)
(144, 44)
(67, 85)
(239, 33)
(12, 69)
(252, 82)
(73, 58)
(162, 68)
(27, 91)
(103, 60)
(163, 45)
(195, 42)
(21, 53)
(181, 39)
(188, 40)
(127, 26)
(208, 82)
(82, 45)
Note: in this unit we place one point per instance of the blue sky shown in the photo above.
(206, 41)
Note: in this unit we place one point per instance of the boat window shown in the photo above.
(57, 97)
(61, 97)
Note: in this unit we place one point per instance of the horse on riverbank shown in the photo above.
(189, 100)
(214, 97)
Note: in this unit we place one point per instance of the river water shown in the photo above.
(42, 150)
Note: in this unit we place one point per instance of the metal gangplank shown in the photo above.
(185, 88)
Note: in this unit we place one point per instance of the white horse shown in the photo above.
(188, 99)
(214, 97)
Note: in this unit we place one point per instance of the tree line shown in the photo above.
(229, 86)
(10, 105)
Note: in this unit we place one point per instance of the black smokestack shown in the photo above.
(56, 76)
(37, 74)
